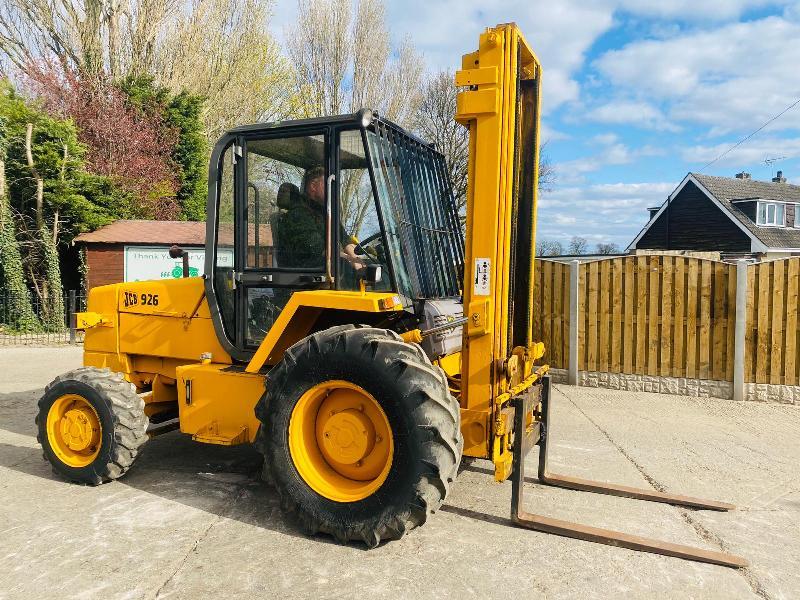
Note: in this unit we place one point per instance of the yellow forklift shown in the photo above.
(345, 324)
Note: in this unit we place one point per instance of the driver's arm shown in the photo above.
(349, 253)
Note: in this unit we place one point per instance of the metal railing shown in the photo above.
(39, 332)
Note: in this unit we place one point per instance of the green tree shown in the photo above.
(183, 113)
(74, 200)
(47, 199)
(18, 311)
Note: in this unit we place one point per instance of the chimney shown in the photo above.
(653, 210)
(743, 175)
(779, 178)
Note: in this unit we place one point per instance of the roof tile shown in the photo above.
(728, 189)
(124, 231)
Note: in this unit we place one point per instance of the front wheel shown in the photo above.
(91, 424)
(360, 434)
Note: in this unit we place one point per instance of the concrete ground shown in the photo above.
(194, 521)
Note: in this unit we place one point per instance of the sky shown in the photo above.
(636, 93)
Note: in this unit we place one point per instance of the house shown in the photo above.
(727, 217)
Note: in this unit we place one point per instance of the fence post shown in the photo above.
(739, 330)
(572, 367)
(72, 318)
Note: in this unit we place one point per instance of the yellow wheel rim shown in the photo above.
(74, 430)
(340, 441)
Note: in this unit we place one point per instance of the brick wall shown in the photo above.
(105, 264)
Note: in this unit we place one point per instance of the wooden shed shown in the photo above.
(130, 250)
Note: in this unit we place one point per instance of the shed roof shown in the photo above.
(166, 233)
(128, 231)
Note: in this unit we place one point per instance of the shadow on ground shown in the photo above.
(221, 480)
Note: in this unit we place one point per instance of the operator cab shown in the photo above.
(329, 203)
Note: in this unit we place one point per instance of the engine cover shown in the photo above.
(441, 312)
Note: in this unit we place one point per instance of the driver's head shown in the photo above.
(314, 184)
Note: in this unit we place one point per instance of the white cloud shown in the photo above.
(605, 139)
(548, 134)
(611, 153)
(560, 34)
(748, 157)
(632, 112)
(733, 77)
(611, 212)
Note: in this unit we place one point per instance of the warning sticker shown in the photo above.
(482, 276)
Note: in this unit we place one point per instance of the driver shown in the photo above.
(302, 228)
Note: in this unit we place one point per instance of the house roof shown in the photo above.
(727, 190)
(166, 233)
(124, 231)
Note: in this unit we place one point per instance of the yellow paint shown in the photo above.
(165, 318)
(340, 441)
(476, 432)
(524, 385)
(180, 339)
(451, 364)
(489, 109)
(369, 302)
(74, 430)
(221, 402)
(412, 337)
(87, 320)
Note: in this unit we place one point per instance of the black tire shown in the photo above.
(121, 413)
(423, 416)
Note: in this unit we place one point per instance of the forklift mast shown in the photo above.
(500, 106)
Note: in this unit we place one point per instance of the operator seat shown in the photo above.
(288, 195)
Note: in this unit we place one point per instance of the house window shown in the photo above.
(797, 215)
(771, 214)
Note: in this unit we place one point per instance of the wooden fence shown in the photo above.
(671, 316)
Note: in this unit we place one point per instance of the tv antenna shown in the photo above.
(770, 162)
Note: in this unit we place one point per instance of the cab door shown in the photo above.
(275, 238)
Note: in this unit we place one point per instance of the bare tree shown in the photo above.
(434, 122)
(607, 248)
(547, 172)
(45, 273)
(345, 60)
(36, 177)
(221, 49)
(93, 36)
(12, 275)
(577, 245)
(549, 248)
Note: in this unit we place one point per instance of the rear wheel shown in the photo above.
(91, 424)
(360, 434)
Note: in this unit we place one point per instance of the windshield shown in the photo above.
(419, 214)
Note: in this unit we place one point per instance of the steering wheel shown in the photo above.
(374, 236)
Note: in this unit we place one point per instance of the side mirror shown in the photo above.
(176, 251)
(372, 274)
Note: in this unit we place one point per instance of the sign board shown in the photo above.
(143, 263)
(482, 275)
